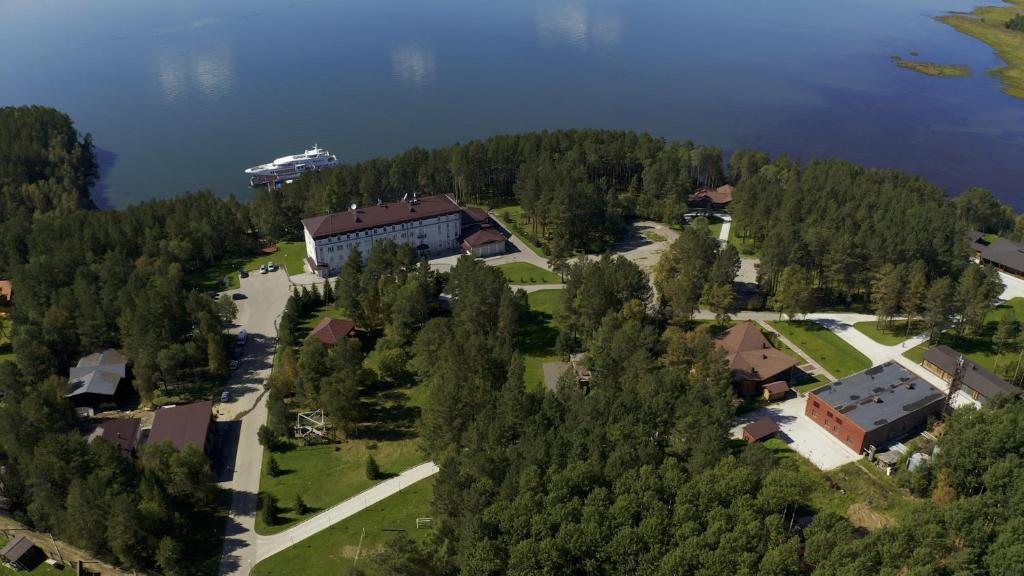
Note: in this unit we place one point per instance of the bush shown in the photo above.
(1016, 23)
(266, 437)
(372, 469)
(273, 469)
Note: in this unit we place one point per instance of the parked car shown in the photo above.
(263, 268)
(225, 396)
(238, 296)
(233, 365)
(242, 273)
(272, 267)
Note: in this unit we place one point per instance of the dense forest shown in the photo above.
(85, 280)
(638, 476)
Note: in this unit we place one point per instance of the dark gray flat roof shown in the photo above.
(879, 395)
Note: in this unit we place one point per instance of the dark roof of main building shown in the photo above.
(1005, 253)
(879, 395)
(182, 425)
(380, 215)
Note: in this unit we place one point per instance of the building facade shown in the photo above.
(431, 225)
(875, 407)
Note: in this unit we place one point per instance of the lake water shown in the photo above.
(184, 94)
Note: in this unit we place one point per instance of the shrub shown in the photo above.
(273, 469)
(269, 510)
(372, 469)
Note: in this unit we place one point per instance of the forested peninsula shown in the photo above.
(635, 475)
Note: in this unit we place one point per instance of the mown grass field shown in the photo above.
(988, 24)
(333, 551)
(328, 474)
(289, 257)
(526, 273)
(980, 347)
(829, 350)
(889, 335)
(540, 335)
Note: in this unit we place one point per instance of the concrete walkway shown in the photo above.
(271, 544)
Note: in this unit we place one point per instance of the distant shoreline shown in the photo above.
(988, 24)
(934, 68)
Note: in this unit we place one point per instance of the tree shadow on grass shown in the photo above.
(387, 416)
(538, 335)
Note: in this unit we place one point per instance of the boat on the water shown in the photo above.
(287, 168)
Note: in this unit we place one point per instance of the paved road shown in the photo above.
(241, 457)
(272, 544)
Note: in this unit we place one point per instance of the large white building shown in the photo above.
(432, 225)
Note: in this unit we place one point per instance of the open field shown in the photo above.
(539, 336)
(829, 350)
(891, 335)
(327, 474)
(289, 256)
(933, 68)
(330, 552)
(526, 273)
(980, 347)
(871, 498)
(988, 24)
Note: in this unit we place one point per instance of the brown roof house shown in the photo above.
(330, 331)
(761, 429)
(712, 199)
(183, 425)
(487, 241)
(22, 553)
(978, 383)
(753, 360)
(6, 295)
(121, 432)
(776, 390)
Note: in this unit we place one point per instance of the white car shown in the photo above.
(272, 267)
(263, 268)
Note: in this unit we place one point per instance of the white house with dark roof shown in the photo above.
(431, 225)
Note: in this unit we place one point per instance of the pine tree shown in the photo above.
(328, 293)
(938, 307)
(1006, 332)
(916, 292)
(299, 505)
(270, 512)
(273, 468)
(372, 469)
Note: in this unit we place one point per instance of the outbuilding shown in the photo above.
(776, 390)
(486, 241)
(977, 382)
(22, 553)
(760, 430)
(875, 407)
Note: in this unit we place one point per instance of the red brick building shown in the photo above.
(875, 407)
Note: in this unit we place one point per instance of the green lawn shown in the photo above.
(889, 335)
(539, 336)
(42, 569)
(512, 217)
(526, 273)
(327, 474)
(6, 349)
(289, 256)
(980, 347)
(746, 247)
(653, 236)
(829, 350)
(332, 551)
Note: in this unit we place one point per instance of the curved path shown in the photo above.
(271, 544)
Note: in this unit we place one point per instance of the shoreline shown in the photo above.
(988, 24)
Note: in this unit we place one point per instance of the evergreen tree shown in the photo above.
(372, 469)
(273, 468)
(270, 511)
(938, 307)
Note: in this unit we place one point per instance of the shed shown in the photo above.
(486, 241)
(759, 430)
(22, 553)
(776, 390)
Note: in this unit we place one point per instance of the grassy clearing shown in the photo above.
(512, 218)
(933, 68)
(289, 256)
(980, 347)
(988, 24)
(540, 334)
(889, 335)
(526, 273)
(871, 498)
(332, 551)
(653, 236)
(6, 348)
(744, 245)
(829, 350)
(328, 474)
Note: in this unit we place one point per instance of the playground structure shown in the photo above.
(312, 427)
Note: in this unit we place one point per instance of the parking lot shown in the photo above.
(801, 433)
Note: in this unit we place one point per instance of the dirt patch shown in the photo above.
(863, 516)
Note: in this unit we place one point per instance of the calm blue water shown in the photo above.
(184, 94)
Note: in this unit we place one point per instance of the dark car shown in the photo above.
(242, 273)
(238, 296)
